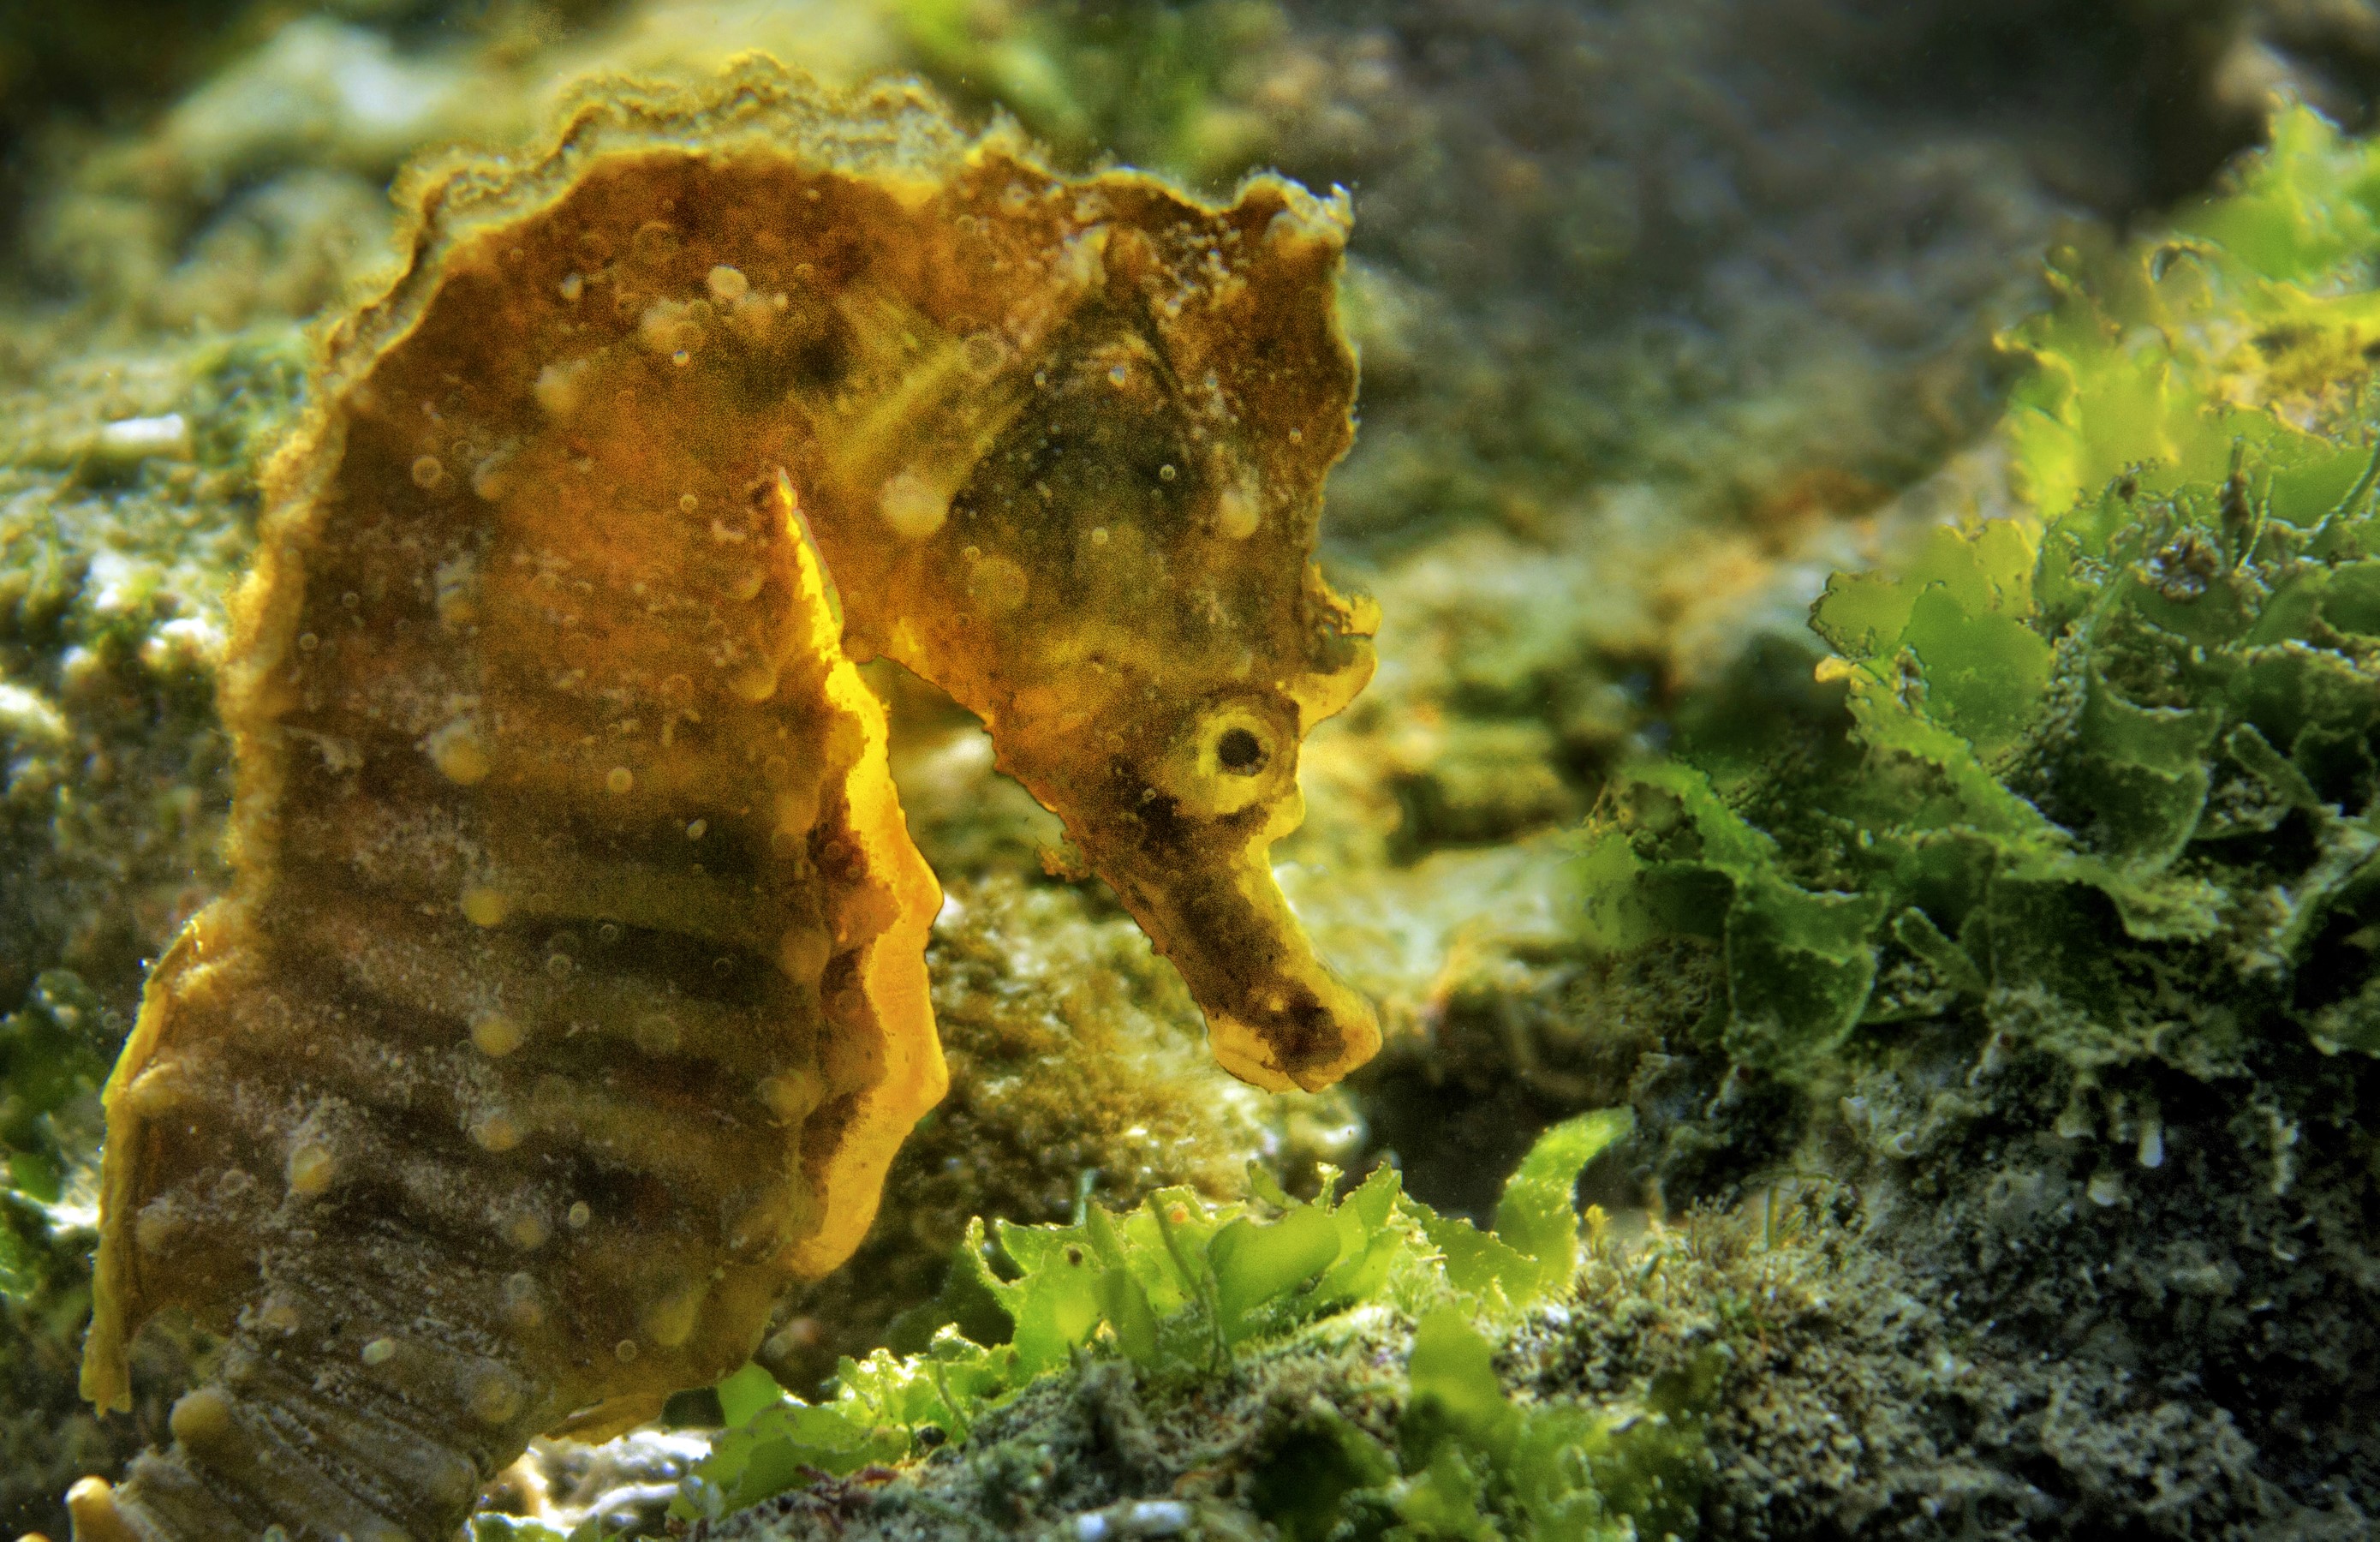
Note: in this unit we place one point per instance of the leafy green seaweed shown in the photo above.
(2157, 355)
(1558, 1469)
(2099, 762)
(1178, 1287)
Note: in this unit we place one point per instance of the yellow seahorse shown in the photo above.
(569, 997)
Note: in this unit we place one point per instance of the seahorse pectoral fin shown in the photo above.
(920, 407)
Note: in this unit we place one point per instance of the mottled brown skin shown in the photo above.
(569, 998)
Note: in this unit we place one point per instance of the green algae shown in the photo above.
(1732, 1374)
(2098, 762)
(1175, 1286)
(1177, 1293)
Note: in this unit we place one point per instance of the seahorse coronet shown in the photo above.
(568, 1000)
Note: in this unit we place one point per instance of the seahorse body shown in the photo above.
(569, 997)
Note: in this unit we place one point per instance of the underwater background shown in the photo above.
(1869, 786)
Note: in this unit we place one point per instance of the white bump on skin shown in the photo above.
(912, 507)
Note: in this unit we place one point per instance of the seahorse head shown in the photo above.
(1098, 532)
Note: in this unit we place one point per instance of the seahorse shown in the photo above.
(568, 999)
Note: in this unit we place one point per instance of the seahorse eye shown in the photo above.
(1238, 749)
(1232, 754)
